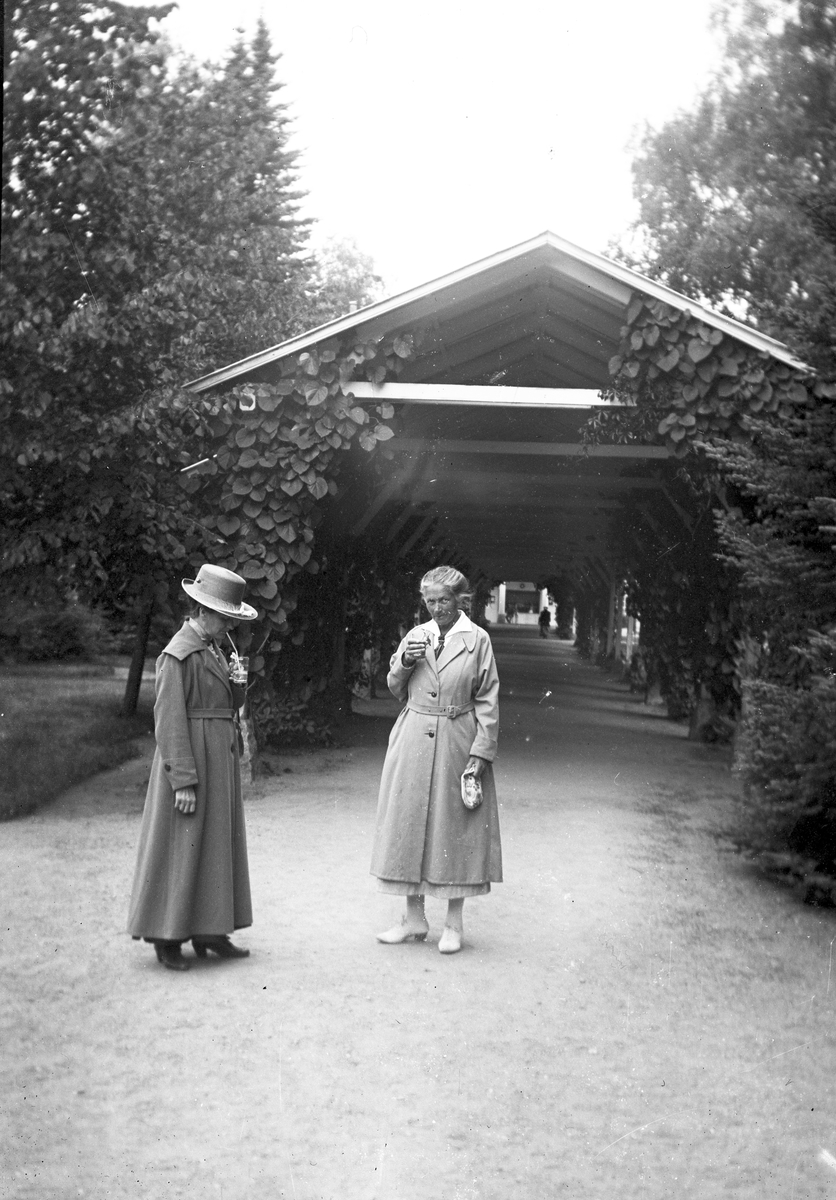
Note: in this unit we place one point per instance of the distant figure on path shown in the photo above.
(427, 841)
(192, 876)
(544, 621)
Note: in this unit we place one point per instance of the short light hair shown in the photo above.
(453, 580)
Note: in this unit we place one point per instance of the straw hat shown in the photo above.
(220, 590)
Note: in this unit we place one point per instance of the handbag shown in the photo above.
(471, 791)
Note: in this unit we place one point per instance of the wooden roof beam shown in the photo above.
(535, 449)
(484, 395)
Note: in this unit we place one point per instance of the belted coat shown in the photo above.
(424, 832)
(192, 875)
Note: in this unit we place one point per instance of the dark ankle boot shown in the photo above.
(170, 955)
(220, 945)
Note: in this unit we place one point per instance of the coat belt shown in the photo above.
(441, 710)
(223, 714)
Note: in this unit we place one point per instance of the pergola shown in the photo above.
(512, 356)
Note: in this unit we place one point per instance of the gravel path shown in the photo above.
(636, 1013)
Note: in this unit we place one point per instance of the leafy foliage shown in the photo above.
(735, 196)
(271, 472)
(699, 381)
(736, 206)
(150, 230)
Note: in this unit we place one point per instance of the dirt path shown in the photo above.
(636, 1013)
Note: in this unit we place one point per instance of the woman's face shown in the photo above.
(441, 604)
(216, 624)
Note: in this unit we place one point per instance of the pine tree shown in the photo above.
(169, 245)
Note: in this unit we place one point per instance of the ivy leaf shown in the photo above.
(403, 345)
(634, 308)
(382, 433)
(228, 525)
(614, 365)
(292, 486)
(269, 403)
(669, 360)
(698, 350)
(250, 569)
(798, 394)
(358, 415)
(319, 489)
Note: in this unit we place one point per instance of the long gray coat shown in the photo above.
(192, 875)
(424, 831)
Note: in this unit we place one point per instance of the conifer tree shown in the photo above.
(737, 201)
(151, 233)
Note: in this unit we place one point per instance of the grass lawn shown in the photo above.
(59, 724)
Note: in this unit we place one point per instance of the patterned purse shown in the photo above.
(471, 791)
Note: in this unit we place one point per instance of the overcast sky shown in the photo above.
(437, 133)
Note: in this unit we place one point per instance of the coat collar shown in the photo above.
(465, 640)
(188, 641)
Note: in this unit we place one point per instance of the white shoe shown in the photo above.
(404, 933)
(450, 941)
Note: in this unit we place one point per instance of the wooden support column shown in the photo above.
(619, 602)
(611, 620)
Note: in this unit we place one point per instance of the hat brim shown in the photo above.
(241, 612)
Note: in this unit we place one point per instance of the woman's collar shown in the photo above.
(462, 624)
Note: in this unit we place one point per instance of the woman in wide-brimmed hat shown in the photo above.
(192, 878)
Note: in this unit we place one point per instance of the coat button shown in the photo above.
(433, 694)
(168, 766)
(432, 735)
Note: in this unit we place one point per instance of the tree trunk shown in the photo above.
(143, 629)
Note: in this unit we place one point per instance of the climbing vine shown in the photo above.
(689, 385)
(276, 461)
(274, 467)
(699, 381)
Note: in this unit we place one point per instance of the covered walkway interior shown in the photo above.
(490, 469)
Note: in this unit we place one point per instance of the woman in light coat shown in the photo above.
(192, 877)
(427, 842)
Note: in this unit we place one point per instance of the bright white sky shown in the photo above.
(440, 132)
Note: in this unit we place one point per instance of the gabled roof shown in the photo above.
(545, 313)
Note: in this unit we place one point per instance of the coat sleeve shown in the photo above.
(399, 676)
(171, 726)
(486, 698)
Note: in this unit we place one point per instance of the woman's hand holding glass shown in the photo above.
(416, 648)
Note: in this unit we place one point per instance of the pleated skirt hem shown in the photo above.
(439, 891)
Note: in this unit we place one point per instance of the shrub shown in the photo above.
(284, 721)
(786, 756)
(50, 631)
